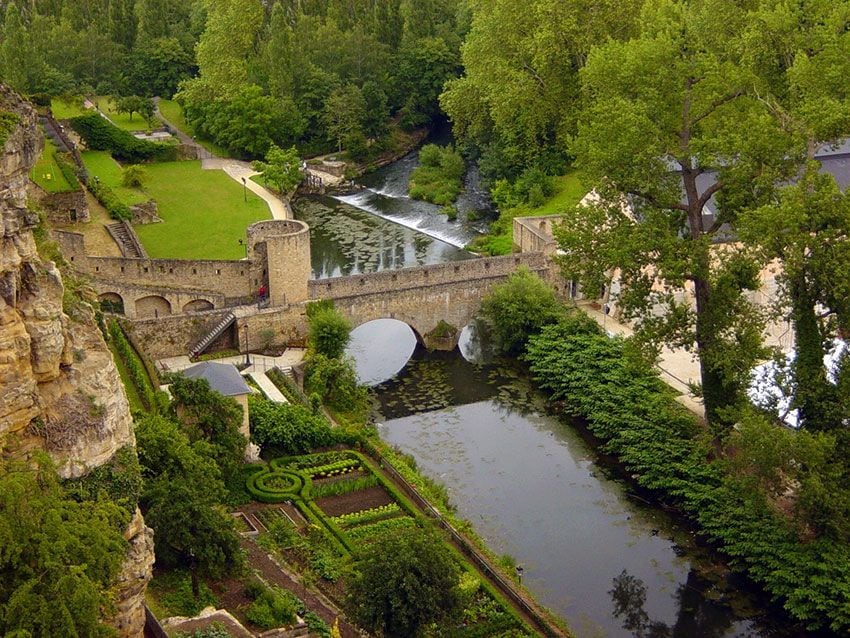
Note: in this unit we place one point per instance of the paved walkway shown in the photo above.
(678, 367)
(239, 170)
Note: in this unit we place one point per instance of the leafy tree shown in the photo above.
(59, 557)
(290, 429)
(135, 104)
(807, 229)
(335, 381)
(519, 93)
(666, 110)
(345, 112)
(282, 168)
(329, 332)
(403, 583)
(208, 416)
(191, 531)
(423, 68)
(520, 308)
(279, 54)
(377, 110)
(133, 176)
(157, 67)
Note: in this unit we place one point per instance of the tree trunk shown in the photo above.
(813, 394)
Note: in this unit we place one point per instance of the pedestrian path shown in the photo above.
(242, 172)
(268, 388)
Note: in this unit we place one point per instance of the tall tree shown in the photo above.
(671, 128)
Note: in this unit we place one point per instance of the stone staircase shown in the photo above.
(127, 240)
(213, 334)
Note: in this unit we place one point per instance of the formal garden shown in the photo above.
(324, 511)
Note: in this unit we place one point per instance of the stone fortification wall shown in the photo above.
(59, 388)
(458, 274)
(285, 249)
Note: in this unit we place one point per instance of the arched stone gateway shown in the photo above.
(198, 305)
(152, 306)
(111, 302)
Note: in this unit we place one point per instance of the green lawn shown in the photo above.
(66, 109)
(173, 112)
(122, 120)
(46, 172)
(569, 191)
(101, 165)
(204, 212)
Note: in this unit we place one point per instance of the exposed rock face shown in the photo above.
(59, 388)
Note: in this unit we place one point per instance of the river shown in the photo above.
(532, 485)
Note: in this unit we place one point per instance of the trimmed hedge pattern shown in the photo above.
(138, 375)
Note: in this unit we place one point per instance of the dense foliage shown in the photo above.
(59, 555)
(799, 556)
(438, 178)
(519, 308)
(329, 332)
(405, 581)
(290, 429)
(101, 135)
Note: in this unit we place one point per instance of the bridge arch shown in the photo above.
(198, 305)
(111, 302)
(152, 306)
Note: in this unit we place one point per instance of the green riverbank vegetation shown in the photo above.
(439, 177)
(772, 499)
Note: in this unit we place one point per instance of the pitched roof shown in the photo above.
(222, 377)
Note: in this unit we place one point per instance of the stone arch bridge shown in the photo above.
(435, 301)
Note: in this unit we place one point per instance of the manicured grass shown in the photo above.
(66, 109)
(101, 165)
(204, 213)
(173, 112)
(122, 120)
(133, 397)
(46, 172)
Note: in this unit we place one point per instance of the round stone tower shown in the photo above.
(280, 252)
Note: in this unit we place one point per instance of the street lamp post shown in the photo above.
(519, 571)
(245, 188)
(247, 352)
(243, 243)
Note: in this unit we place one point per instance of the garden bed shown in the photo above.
(354, 501)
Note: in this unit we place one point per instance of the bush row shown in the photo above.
(368, 531)
(138, 375)
(626, 405)
(111, 202)
(337, 488)
(367, 516)
(288, 387)
(68, 172)
(101, 135)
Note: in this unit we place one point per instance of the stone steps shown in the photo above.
(127, 240)
(214, 334)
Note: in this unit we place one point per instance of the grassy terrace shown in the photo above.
(66, 109)
(173, 112)
(46, 171)
(123, 120)
(204, 212)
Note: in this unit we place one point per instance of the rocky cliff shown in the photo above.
(59, 388)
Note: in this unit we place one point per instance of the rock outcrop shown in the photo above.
(59, 388)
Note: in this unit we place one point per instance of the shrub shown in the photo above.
(329, 333)
(438, 178)
(336, 382)
(111, 202)
(133, 176)
(291, 429)
(138, 375)
(272, 608)
(101, 135)
(68, 172)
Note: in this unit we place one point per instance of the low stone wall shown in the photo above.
(534, 234)
(66, 208)
(172, 336)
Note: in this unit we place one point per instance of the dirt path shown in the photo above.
(275, 573)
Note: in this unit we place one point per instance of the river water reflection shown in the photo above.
(533, 488)
(346, 241)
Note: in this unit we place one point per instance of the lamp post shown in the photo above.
(519, 571)
(245, 188)
(243, 243)
(247, 352)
